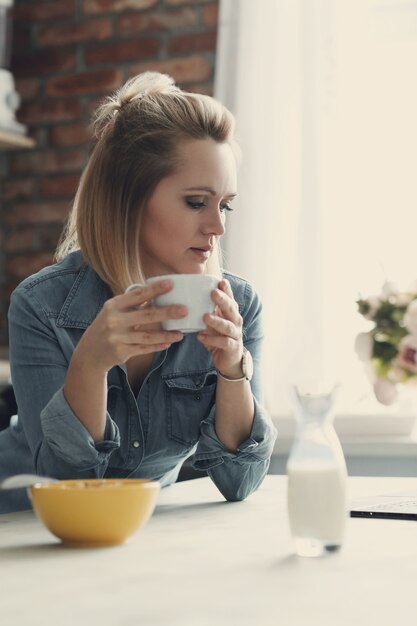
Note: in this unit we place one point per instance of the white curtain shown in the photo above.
(325, 99)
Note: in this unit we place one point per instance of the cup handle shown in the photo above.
(133, 287)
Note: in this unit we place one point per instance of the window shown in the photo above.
(325, 97)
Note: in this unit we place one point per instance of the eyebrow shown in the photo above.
(210, 191)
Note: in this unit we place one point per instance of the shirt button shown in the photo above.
(197, 396)
(136, 444)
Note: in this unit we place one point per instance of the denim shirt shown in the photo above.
(148, 436)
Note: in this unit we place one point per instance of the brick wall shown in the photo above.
(67, 54)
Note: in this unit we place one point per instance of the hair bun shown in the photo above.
(135, 89)
(148, 83)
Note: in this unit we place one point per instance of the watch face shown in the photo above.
(247, 364)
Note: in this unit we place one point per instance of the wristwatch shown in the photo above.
(247, 368)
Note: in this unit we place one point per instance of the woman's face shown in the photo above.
(185, 216)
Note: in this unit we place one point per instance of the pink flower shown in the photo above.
(385, 391)
(410, 317)
(407, 353)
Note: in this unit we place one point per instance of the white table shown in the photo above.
(203, 562)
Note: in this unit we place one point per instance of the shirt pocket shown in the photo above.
(189, 399)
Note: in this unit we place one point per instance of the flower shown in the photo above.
(363, 346)
(407, 354)
(369, 307)
(389, 349)
(385, 391)
(410, 317)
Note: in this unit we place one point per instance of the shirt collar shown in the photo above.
(86, 296)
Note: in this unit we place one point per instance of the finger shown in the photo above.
(227, 306)
(223, 326)
(225, 286)
(120, 322)
(151, 337)
(149, 314)
(217, 341)
(143, 293)
(137, 349)
(146, 338)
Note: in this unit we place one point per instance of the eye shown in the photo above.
(196, 203)
(226, 207)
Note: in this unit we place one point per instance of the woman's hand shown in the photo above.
(223, 337)
(128, 325)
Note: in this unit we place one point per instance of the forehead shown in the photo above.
(206, 163)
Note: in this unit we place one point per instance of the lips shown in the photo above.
(203, 253)
(207, 249)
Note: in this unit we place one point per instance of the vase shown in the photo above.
(317, 476)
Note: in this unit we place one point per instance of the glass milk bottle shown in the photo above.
(316, 468)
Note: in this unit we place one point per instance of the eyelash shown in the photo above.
(200, 205)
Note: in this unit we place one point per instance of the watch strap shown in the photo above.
(231, 380)
(244, 374)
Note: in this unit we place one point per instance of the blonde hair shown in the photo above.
(137, 130)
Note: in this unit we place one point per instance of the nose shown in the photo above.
(213, 223)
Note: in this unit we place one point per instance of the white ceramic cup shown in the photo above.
(190, 290)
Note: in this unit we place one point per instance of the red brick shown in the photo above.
(38, 212)
(31, 62)
(28, 88)
(22, 37)
(69, 135)
(204, 88)
(121, 51)
(183, 70)
(74, 33)
(21, 240)
(61, 185)
(18, 188)
(50, 111)
(85, 83)
(39, 11)
(193, 42)
(49, 235)
(6, 290)
(38, 134)
(51, 161)
(211, 14)
(24, 265)
(92, 105)
(115, 6)
(132, 23)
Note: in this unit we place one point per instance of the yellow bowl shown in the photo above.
(96, 512)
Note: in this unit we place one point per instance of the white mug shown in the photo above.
(190, 290)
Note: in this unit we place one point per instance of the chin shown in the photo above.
(193, 268)
(201, 269)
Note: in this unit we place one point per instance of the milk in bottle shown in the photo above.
(317, 498)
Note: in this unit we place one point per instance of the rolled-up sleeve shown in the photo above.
(237, 474)
(68, 438)
(258, 447)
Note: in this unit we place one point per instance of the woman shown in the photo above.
(102, 390)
